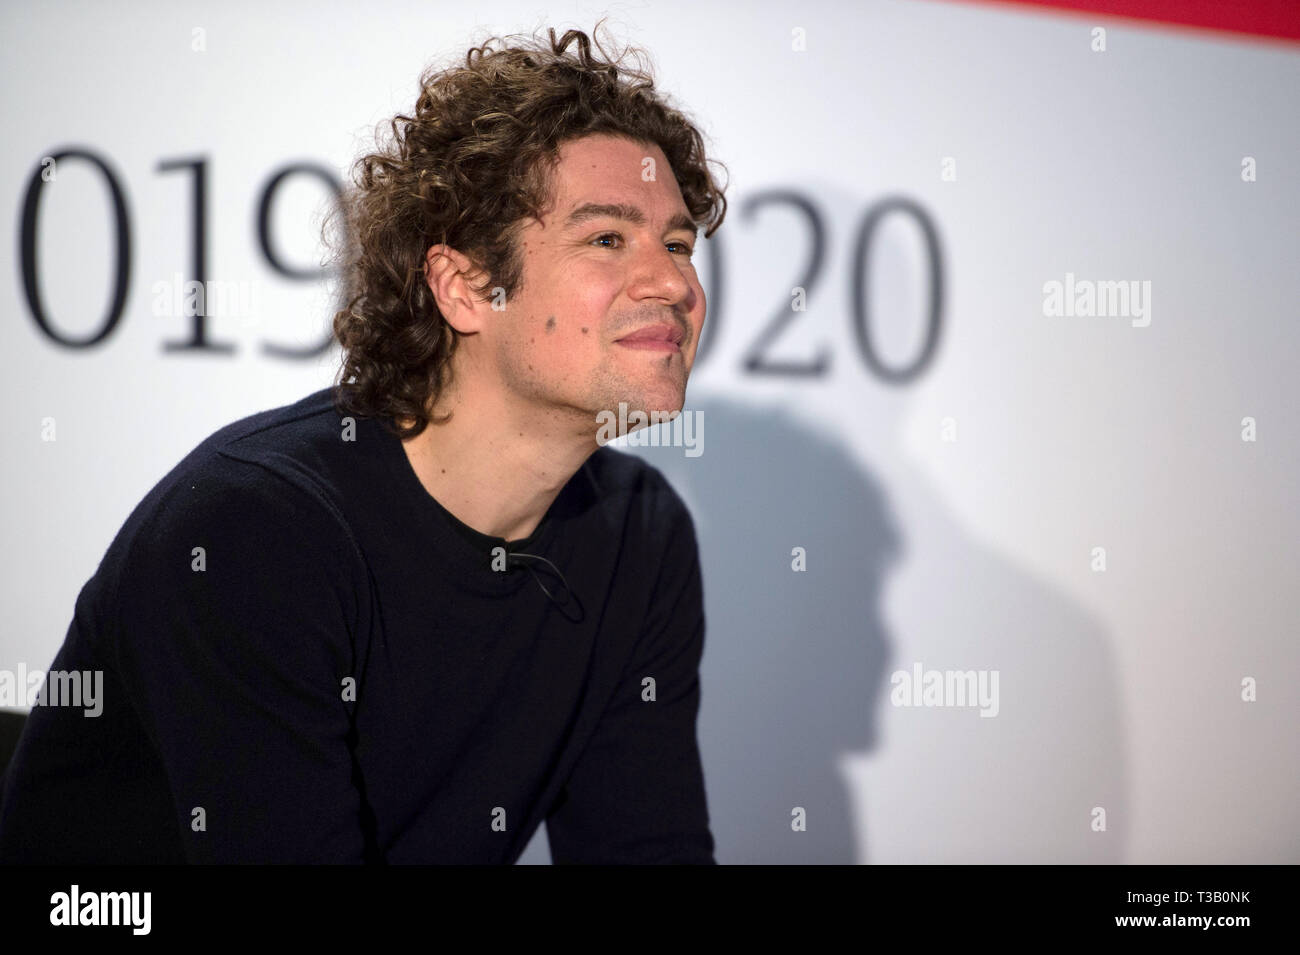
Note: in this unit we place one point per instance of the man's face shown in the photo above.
(592, 276)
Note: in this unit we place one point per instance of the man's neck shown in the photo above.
(496, 465)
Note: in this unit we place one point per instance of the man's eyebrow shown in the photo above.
(629, 213)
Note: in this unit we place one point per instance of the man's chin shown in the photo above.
(626, 416)
(661, 407)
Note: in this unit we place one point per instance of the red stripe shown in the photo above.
(1262, 18)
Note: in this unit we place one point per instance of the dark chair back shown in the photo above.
(11, 727)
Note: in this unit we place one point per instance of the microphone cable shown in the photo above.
(518, 558)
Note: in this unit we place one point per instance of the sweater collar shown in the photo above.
(468, 553)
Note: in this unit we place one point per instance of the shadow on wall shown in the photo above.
(795, 661)
(796, 669)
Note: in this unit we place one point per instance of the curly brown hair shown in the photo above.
(476, 159)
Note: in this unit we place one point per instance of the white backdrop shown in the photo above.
(950, 520)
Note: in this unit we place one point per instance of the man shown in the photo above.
(415, 616)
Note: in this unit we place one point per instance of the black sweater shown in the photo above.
(341, 675)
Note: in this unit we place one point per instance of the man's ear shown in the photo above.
(449, 275)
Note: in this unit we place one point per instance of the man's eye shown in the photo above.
(685, 247)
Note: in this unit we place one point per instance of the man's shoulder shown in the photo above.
(619, 472)
(268, 469)
(630, 481)
(303, 431)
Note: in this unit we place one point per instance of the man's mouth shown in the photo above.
(649, 344)
(661, 338)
